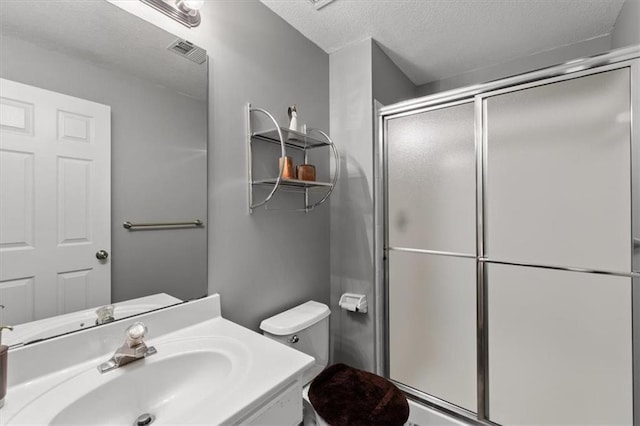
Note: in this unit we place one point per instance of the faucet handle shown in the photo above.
(105, 314)
(135, 333)
(4, 327)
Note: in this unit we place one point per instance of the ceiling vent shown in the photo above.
(319, 4)
(188, 50)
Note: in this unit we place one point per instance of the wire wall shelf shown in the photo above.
(288, 139)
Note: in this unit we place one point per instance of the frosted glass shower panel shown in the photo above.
(432, 181)
(558, 174)
(432, 325)
(559, 347)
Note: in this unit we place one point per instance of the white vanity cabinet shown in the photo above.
(282, 408)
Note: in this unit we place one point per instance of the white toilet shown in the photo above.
(305, 328)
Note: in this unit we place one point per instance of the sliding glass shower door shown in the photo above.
(558, 251)
(510, 216)
(432, 250)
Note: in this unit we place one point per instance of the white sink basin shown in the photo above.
(207, 370)
(169, 385)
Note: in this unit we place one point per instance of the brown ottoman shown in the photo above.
(346, 396)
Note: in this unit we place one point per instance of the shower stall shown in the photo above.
(508, 245)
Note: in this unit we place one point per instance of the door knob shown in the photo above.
(102, 255)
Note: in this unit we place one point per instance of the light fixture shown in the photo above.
(184, 11)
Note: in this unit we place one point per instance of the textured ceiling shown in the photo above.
(434, 39)
(104, 35)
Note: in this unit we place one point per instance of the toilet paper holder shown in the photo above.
(353, 302)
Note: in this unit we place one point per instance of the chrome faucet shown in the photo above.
(133, 349)
(105, 314)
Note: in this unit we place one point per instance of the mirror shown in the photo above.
(100, 124)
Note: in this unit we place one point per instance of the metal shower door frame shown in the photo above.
(478, 94)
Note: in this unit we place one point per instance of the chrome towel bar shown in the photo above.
(132, 226)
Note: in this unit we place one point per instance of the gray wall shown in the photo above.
(351, 207)
(158, 167)
(390, 85)
(358, 73)
(269, 261)
(520, 65)
(625, 32)
(627, 28)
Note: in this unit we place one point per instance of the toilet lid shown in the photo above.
(295, 319)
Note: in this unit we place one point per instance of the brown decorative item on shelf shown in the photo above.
(307, 172)
(288, 171)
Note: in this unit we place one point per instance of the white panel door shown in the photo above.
(560, 350)
(55, 157)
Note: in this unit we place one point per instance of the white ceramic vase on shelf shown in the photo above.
(293, 118)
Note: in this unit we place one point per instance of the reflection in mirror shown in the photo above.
(100, 124)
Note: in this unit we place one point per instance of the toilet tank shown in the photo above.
(305, 328)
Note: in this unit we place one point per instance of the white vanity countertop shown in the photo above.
(261, 366)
